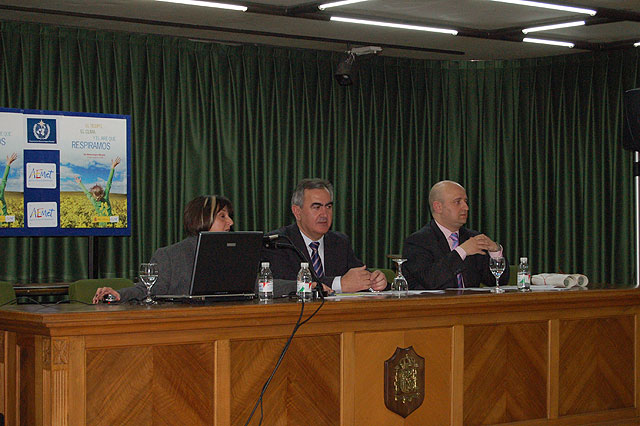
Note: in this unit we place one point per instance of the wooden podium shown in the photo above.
(559, 358)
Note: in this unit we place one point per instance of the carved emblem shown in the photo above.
(404, 381)
(60, 351)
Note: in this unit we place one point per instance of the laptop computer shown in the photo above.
(225, 267)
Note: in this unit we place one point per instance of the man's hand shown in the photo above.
(78, 179)
(378, 280)
(476, 245)
(356, 279)
(115, 162)
(103, 291)
(325, 289)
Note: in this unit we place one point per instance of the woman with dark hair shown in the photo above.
(175, 262)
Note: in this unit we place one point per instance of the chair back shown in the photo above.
(84, 290)
(7, 293)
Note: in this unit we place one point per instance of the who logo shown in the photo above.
(41, 130)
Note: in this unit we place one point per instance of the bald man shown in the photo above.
(445, 254)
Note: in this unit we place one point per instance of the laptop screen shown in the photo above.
(226, 263)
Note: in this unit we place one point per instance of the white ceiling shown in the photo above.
(487, 30)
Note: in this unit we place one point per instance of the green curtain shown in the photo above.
(536, 143)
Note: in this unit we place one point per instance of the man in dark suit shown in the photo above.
(328, 252)
(446, 254)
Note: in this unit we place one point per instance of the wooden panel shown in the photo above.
(10, 386)
(183, 384)
(554, 369)
(167, 385)
(118, 386)
(457, 376)
(348, 379)
(505, 373)
(26, 365)
(596, 364)
(304, 391)
(373, 349)
(222, 403)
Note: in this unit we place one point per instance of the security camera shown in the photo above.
(365, 50)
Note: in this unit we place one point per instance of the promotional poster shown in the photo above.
(64, 173)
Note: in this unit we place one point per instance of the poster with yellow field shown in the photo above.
(65, 173)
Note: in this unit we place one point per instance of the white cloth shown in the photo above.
(560, 280)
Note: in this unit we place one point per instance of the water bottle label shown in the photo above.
(524, 280)
(266, 286)
(304, 287)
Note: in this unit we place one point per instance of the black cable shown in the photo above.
(72, 300)
(284, 351)
(15, 301)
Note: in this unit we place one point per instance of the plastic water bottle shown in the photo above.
(304, 281)
(265, 282)
(524, 278)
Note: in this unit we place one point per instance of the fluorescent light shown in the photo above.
(208, 4)
(393, 25)
(338, 3)
(550, 6)
(553, 27)
(636, 44)
(551, 42)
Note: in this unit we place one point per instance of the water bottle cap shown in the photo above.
(304, 264)
(524, 260)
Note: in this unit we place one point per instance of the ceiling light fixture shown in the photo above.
(550, 6)
(394, 25)
(551, 42)
(338, 3)
(208, 4)
(553, 27)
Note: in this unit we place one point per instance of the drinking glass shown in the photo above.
(497, 265)
(148, 276)
(399, 286)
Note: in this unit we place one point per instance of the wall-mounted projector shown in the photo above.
(344, 72)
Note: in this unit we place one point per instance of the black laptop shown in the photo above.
(225, 267)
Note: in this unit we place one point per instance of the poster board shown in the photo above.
(64, 173)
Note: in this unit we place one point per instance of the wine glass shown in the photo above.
(497, 265)
(399, 286)
(148, 276)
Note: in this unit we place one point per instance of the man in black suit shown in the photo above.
(446, 254)
(328, 252)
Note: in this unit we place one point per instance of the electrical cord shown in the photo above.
(299, 323)
(15, 301)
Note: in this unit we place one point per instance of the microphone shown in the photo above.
(266, 239)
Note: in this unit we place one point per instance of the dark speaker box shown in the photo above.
(631, 135)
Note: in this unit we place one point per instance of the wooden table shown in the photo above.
(560, 358)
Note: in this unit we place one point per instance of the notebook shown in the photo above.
(225, 267)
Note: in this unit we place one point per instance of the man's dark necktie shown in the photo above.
(315, 259)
